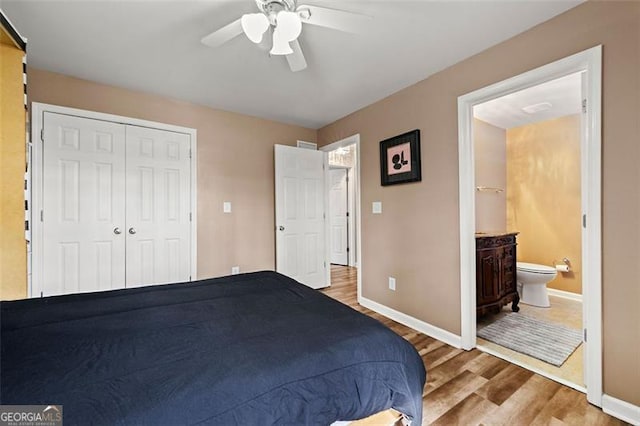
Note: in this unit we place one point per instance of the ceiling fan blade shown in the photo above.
(296, 60)
(331, 18)
(223, 35)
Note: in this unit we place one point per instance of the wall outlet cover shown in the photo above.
(226, 207)
(235, 270)
(376, 207)
(392, 283)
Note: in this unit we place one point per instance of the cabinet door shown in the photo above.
(487, 279)
(509, 269)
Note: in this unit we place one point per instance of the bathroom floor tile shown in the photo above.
(562, 311)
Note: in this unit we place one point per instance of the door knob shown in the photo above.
(117, 231)
(281, 228)
(132, 231)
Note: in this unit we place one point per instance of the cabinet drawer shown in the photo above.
(494, 242)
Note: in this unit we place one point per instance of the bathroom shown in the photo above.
(528, 183)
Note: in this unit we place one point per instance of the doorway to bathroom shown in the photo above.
(529, 151)
(527, 173)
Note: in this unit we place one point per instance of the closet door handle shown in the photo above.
(132, 231)
(117, 231)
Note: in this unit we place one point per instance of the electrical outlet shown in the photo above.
(392, 283)
(235, 270)
(226, 207)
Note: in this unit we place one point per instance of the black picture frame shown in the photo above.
(395, 168)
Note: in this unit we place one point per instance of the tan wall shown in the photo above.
(416, 239)
(13, 248)
(235, 163)
(490, 162)
(543, 196)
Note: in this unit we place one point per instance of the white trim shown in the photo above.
(327, 221)
(565, 294)
(592, 235)
(621, 409)
(351, 140)
(590, 61)
(327, 247)
(37, 116)
(307, 145)
(416, 324)
(532, 368)
(467, 225)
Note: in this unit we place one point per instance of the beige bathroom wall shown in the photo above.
(543, 196)
(235, 163)
(490, 157)
(416, 238)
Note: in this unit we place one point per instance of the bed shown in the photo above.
(257, 348)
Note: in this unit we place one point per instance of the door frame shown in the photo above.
(38, 109)
(589, 61)
(351, 140)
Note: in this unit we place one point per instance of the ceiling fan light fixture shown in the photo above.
(280, 44)
(289, 25)
(254, 26)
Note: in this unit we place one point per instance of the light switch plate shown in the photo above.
(376, 207)
(226, 207)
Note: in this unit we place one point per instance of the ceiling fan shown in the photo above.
(283, 20)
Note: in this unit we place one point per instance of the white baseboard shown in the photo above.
(564, 294)
(621, 409)
(418, 325)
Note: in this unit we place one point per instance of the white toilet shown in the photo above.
(532, 283)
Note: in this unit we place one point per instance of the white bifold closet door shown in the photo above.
(84, 210)
(115, 205)
(158, 205)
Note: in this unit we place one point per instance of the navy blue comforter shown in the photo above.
(251, 349)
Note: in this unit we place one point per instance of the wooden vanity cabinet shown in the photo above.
(496, 273)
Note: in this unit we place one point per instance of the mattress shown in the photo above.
(257, 348)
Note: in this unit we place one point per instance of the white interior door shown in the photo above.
(83, 211)
(300, 233)
(338, 216)
(158, 228)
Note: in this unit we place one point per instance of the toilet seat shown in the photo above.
(535, 268)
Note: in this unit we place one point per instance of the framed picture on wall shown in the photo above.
(400, 159)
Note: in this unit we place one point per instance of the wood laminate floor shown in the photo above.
(472, 387)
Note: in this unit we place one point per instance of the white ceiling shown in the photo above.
(154, 46)
(563, 94)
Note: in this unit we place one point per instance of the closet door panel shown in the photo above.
(158, 175)
(83, 205)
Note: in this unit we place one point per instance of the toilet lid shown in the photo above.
(534, 267)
